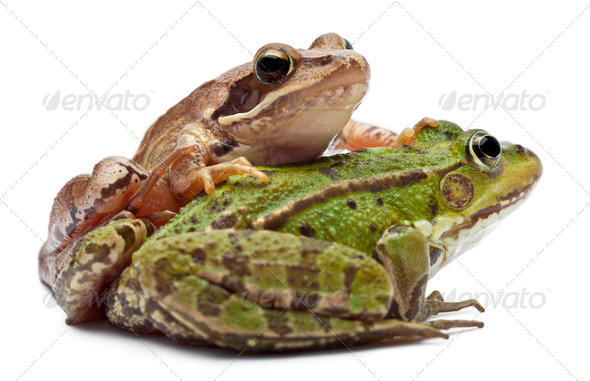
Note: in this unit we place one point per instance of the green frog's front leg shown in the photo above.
(406, 255)
(263, 291)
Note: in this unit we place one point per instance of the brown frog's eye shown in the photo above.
(484, 150)
(272, 64)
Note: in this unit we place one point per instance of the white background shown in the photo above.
(419, 52)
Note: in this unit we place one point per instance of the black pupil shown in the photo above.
(490, 146)
(271, 64)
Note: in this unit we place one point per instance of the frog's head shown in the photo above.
(286, 94)
(487, 182)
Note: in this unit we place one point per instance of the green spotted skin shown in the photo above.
(331, 252)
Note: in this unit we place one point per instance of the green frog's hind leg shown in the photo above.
(195, 311)
(206, 287)
(405, 254)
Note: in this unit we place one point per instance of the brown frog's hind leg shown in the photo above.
(357, 135)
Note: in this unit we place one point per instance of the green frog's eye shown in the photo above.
(272, 64)
(347, 44)
(484, 150)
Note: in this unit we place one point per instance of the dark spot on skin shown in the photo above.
(332, 173)
(128, 234)
(372, 228)
(379, 201)
(433, 207)
(121, 183)
(301, 276)
(236, 264)
(227, 202)
(99, 253)
(435, 253)
(357, 256)
(225, 221)
(199, 256)
(305, 301)
(349, 275)
(223, 148)
(351, 204)
(306, 230)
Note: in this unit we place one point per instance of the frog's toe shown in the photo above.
(436, 306)
(205, 178)
(448, 324)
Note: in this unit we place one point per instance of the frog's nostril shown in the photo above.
(519, 148)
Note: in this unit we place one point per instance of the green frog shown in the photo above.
(335, 251)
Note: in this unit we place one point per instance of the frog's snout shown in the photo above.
(528, 159)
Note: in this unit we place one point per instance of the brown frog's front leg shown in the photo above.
(193, 166)
(357, 135)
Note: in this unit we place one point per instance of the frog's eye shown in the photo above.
(272, 64)
(484, 150)
(347, 44)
